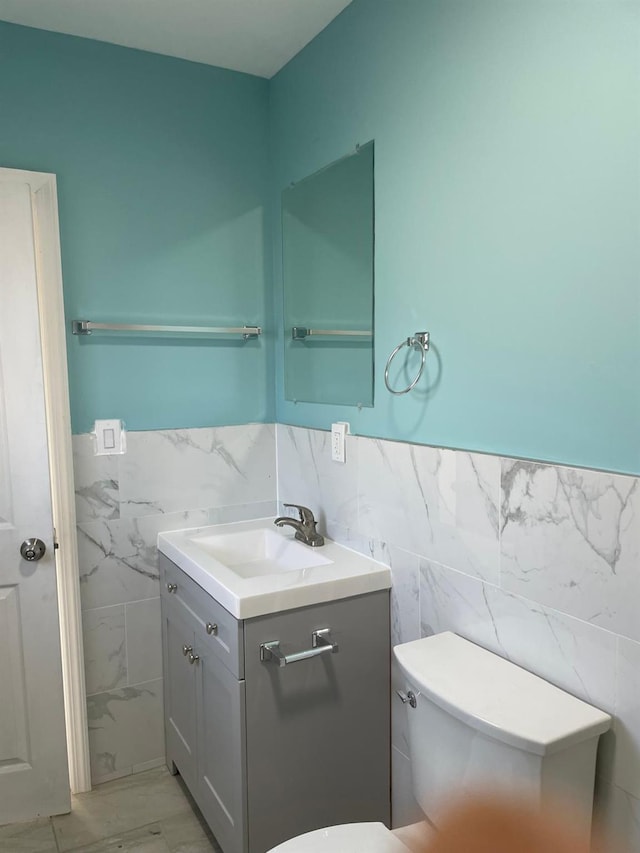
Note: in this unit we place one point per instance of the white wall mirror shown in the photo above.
(328, 243)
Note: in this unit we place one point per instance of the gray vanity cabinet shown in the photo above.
(180, 691)
(204, 703)
(220, 701)
(271, 751)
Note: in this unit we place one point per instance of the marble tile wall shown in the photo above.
(538, 563)
(168, 479)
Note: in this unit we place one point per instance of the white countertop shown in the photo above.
(346, 574)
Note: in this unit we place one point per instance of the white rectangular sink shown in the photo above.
(254, 553)
(252, 568)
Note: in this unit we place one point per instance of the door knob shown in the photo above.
(32, 549)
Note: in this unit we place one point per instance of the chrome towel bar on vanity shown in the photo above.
(320, 645)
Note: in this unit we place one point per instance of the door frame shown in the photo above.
(44, 202)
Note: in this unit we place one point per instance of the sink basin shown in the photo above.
(255, 553)
(253, 568)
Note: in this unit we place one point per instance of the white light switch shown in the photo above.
(110, 437)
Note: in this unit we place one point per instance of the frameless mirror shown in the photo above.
(328, 228)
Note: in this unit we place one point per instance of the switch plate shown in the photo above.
(110, 437)
(339, 432)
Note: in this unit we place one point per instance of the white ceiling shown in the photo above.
(255, 36)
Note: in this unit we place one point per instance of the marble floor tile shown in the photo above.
(148, 839)
(119, 807)
(34, 836)
(188, 833)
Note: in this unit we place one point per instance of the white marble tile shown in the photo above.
(188, 833)
(105, 655)
(308, 476)
(404, 809)
(166, 471)
(571, 540)
(351, 538)
(116, 808)
(243, 512)
(118, 559)
(574, 655)
(441, 504)
(144, 640)
(116, 564)
(399, 714)
(147, 839)
(34, 836)
(405, 595)
(95, 481)
(126, 728)
(452, 601)
(625, 768)
(617, 815)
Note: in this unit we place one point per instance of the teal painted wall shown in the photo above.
(507, 215)
(162, 183)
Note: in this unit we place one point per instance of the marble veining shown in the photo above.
(167, 480)
(126, 728)
(436, 503)
(571, 540)
(308, 476)
(105, 656)
(97, 486)
(172, 470)
(570, 653)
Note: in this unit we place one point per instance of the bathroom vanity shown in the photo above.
(277, 704)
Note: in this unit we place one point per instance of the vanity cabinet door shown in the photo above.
(179, 692)
(318, 729)
(221, 752)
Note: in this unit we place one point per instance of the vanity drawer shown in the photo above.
(215, 629)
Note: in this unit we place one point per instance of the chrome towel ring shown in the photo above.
(420, 340)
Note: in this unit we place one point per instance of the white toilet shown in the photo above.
(477, 722)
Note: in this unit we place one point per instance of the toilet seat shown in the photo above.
(344, 838)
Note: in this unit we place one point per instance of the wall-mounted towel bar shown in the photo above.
(299, 333)
(86, 327)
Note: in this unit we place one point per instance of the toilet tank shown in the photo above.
(482, 724)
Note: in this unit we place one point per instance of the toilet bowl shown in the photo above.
(356, 837)
(478, 724)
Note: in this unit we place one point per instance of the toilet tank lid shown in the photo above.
(497, 697)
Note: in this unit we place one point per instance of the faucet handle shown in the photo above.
(306, 515)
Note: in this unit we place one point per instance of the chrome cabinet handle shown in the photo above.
(212, 628)
(172, 587)
(193, 658)
(320, 645)
(186, 650)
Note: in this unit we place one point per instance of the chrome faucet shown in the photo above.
(305, 526)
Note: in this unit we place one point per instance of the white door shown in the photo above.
(33, 757)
